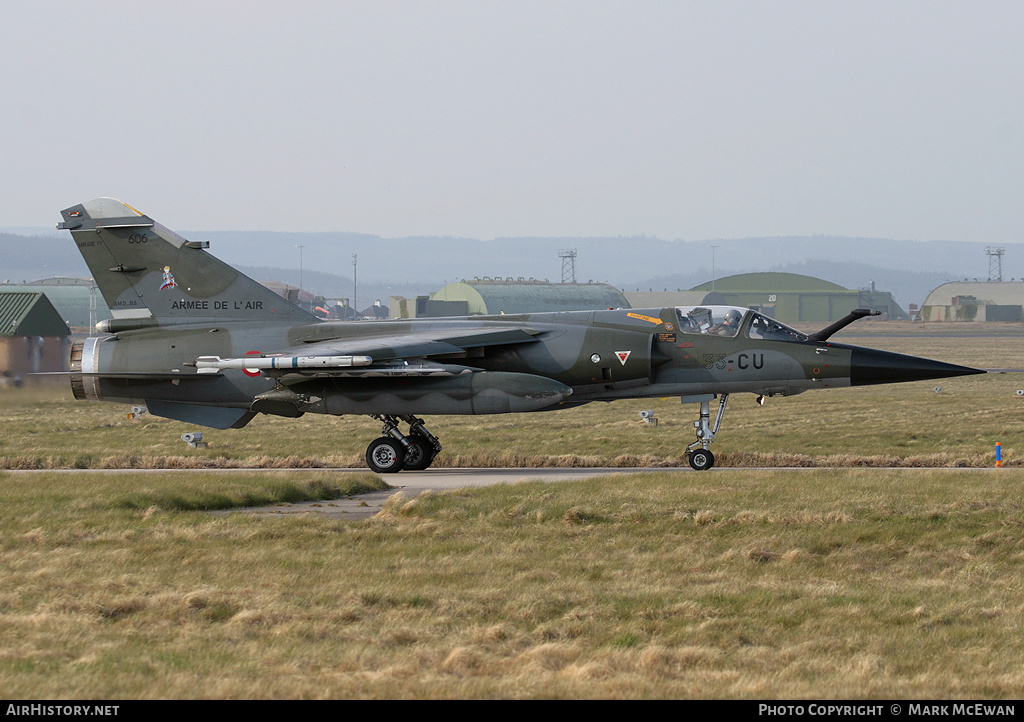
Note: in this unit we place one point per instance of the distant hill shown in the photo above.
(419, 265)
(909, 269)
(28, 258)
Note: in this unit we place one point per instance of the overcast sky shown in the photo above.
(681, 120)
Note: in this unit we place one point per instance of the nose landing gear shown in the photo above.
(395, 451)
(701, 458)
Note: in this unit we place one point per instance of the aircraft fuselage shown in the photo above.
(197, 341)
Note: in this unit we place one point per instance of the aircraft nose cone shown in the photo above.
(868, 366)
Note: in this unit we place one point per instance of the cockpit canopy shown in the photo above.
(731, 321)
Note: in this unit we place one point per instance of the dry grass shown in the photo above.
(733, 584)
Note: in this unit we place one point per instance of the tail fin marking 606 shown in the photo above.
(147, 271)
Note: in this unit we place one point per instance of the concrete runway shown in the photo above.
(413, 483)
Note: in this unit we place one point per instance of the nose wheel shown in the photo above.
(700, 456)
(395, 451)
(701, 459)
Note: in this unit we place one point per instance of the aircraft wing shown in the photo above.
(407, 353)
(421, 343)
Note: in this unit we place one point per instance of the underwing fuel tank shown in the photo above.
(489, 392)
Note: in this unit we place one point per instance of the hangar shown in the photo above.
(664, 299)
(796, 298)
(33, 337)
(77, 300)
(975, 301)
(498, 296)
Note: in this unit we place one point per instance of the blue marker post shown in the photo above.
(999, 455)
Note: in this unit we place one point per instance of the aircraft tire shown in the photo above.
(420, 456)
(701, 460)
(385, 455)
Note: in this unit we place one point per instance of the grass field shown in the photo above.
(822, 583)
(742, 583)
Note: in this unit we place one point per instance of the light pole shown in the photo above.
(299, 294)
(713, 247)
(355, 289)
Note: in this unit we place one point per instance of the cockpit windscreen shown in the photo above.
(710, 320)
(770, 329)
(729, 320)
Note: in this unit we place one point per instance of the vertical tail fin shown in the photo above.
(148, 274)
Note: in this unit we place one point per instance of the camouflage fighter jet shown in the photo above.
(196, 341)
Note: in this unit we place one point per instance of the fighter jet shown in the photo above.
(197, 341)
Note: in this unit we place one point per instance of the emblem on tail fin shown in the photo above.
(168, 279)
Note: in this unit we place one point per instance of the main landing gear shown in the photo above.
(395, 451)
(702, 458)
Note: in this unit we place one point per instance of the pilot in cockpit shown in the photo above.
(730, 326)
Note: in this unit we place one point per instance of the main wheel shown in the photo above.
(385, 455)
(701, 459)
(419, 455)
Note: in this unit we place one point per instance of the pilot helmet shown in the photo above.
(732, 317)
